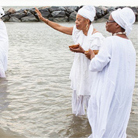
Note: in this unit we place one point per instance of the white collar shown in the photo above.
(119, 33)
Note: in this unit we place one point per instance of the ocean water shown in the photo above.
(35, 98)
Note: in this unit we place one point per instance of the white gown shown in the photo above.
(110, 104)
(3, 49)
(80, 75)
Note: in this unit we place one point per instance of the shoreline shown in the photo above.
(56, 13)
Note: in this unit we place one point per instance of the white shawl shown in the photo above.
(125, 18)
(81, 77)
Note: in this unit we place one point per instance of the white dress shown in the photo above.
(110, 104)
(3, 49)
(81, 77)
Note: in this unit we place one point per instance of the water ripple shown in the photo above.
(36, 97)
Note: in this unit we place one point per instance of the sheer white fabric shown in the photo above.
(110, 103)
(79, 103)
(81, 77)
(3, 49)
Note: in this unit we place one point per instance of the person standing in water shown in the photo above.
(110, 104)
(3, 46)
(85, 35)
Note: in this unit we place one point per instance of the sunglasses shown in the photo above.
(109, 21)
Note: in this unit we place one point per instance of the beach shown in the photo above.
(35, 97)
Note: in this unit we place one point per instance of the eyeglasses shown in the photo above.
(109, 21)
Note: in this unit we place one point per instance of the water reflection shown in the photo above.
(78, 127)
(3, 94)
(5, 132)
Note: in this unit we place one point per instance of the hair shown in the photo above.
(123, 30)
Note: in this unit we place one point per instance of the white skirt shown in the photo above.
(90, 136)
(79, 103)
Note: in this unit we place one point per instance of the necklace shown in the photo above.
(119, 33)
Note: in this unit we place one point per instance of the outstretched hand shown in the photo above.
(39, 14)
(89, 54)
(79, 49)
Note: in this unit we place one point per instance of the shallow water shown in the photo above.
(35, 98)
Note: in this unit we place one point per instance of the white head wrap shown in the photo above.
(1, 12)
(88, 12)
(125, 18)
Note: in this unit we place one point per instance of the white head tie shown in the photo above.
(125, 18)
(1, 12)
(88, 12)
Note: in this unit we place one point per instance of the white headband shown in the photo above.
(125, 18)
(88, 12)
(1, 12)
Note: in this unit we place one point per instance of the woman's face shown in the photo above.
(111, 25)
(80, 22)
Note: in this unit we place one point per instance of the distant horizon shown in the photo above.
(37, 3)
(24, 7)
(69, 5)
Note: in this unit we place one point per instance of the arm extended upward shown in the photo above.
(56, 26)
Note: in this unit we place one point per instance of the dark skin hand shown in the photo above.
(89, 54)
(77, 50)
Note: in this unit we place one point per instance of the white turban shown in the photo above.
(1, 12)
(125, 18)
(87, 12)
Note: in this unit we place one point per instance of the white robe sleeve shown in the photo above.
(103, 57)
(97, 40)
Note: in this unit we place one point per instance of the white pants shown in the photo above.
(79, 103)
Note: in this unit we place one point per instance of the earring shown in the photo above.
(87, 27)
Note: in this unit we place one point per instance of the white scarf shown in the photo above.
(125, 18)
(79, 71)
(88, 12)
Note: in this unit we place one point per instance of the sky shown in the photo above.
(68, 2)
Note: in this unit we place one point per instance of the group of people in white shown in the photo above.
(102, 84)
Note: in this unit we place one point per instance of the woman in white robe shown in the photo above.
(110, 104)
(85, 35)
(3, 46)
(81, 77)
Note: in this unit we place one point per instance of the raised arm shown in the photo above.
(56, 26)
